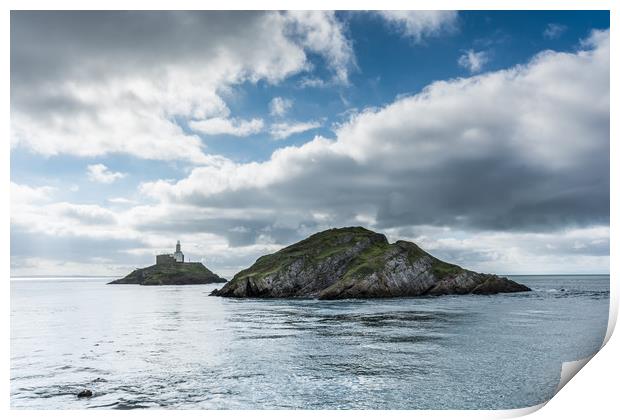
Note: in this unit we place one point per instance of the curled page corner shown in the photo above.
(613, 317)
(570, 369)
(518, 412)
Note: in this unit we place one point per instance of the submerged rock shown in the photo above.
(357, 263)
(171, 274)
(85, 393)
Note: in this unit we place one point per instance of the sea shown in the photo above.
(176, 347)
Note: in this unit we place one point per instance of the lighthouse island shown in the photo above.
(171, 269)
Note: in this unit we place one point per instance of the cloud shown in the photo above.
(480, 152)
(572, 250)
(421, 24)
(94, 83)
(594, 39)
(232, 127)
(278, 107)
(24, 194)
(64, 218)
(554, 30)
(473, 60)
(121, 200)
(82, 248)
(59, 238)
(86, 213)
(280, 131)
(322, 33)
(34, 209)
(312, 82)
(100, 173)
(228, 241)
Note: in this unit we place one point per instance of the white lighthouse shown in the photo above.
(178, 255)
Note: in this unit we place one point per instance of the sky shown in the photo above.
(481, 136)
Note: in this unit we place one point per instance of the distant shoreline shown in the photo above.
(74, 277)
(77, 277)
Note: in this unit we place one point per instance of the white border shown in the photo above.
(593, 394)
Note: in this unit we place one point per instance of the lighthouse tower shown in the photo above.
(178, 255)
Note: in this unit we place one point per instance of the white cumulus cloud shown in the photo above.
(418, 24)
(473, 61)
(278, 107)
(322, 33)
(100, 173)
(554, 30)
(24, 194)
(280, 131)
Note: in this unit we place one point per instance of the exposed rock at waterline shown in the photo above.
(85, 393)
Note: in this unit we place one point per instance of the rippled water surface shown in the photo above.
(177, 347)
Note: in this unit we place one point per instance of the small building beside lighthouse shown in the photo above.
(177, 257)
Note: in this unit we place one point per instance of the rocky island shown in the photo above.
(355, 262)
(173, 274)
(171, 269)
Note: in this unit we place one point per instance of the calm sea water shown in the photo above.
(177, 347)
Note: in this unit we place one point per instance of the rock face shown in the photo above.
(85, 393)
(171, 274)
(355, 262)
